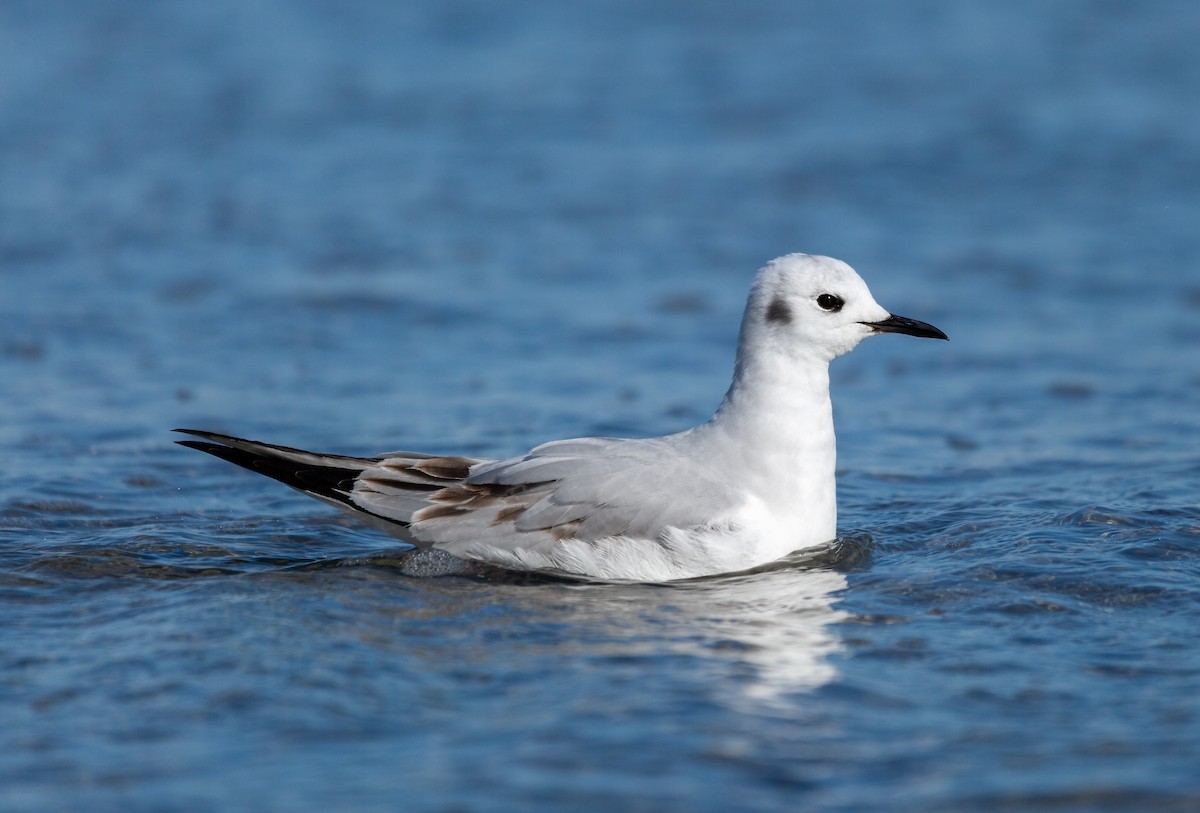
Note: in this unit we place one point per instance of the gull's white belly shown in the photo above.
(753, 536)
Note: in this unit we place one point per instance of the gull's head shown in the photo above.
(803, 304)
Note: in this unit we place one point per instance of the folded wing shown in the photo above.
(583, 490)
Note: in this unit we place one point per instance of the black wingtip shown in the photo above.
(260, 463)
(330, 481)
(205, 446)
(201, 433)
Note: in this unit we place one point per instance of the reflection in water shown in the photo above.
(766, 633)
(780, 623)
(762, 635)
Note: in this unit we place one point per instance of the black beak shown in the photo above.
(902, 324)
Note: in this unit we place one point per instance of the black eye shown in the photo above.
(830, 302)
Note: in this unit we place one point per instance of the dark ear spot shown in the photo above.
(779, 312)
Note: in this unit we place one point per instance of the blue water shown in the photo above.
(471, 227)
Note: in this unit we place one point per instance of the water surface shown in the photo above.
(462, 228)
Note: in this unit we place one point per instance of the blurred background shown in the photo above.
(227, 211)
(472, 227)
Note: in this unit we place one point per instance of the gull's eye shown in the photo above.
(831, 303)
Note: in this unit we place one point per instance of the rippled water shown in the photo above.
(470, 228)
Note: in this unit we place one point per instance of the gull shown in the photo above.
(750, 485)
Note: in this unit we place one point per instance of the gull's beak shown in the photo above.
(902, 324)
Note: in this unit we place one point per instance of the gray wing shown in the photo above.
(586, 489)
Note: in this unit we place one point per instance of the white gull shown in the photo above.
(752, 484)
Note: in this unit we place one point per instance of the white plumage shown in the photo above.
(749, 486)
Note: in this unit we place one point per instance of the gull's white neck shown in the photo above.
(779, 408)
(776, 426)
